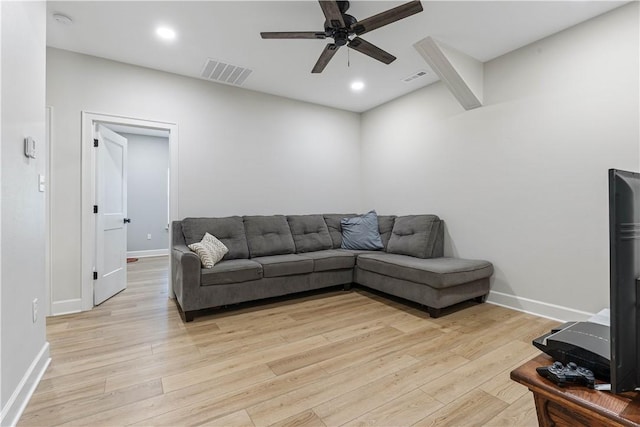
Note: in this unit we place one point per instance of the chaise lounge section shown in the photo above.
(277, 255)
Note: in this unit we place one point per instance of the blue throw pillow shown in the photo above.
(361, 232)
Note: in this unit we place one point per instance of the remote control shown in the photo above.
(570, 374)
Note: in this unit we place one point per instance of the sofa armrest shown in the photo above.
(185, 280)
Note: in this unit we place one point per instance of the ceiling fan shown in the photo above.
(344, 29)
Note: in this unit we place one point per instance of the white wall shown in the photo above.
(240, 152)
(25, 352)
(521, 181)
(147, 196)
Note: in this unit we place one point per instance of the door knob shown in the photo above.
(127, 220)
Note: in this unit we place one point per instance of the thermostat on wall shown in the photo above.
(30, 147)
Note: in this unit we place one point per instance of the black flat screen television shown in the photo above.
(624, 245)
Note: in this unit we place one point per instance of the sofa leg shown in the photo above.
(347, 287)
(188, 316)
(434, 312)
(481, 298)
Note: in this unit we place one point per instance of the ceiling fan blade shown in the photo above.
(387, 17)
(363, 46)
(325, 57)
(293, 35)
(332, 13)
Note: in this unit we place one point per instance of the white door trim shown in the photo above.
(48, 274)
(88, 194)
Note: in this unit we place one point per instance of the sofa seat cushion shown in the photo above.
(229, 230)
(357, 252)
(284, 265)
(331, 260)
(438, 273)
(231, 271)
(310, 233)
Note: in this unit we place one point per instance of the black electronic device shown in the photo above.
(585, 343)
(621, 365)
(624, 249)
(570, 374)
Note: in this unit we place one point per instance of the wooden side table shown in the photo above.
(576, 405)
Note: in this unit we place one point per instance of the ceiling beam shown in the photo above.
(462, 74)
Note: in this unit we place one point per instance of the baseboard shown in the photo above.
(539, 308)
(149, 253)
(66, 306)
(18, 401)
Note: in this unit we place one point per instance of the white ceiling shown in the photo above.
(230, 31)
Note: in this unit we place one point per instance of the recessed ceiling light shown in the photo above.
(357, 86)
(62, 19)
(165, 33)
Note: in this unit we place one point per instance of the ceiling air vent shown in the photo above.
(222, 72)
(414, 76)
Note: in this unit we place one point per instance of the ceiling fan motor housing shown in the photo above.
(340, 35)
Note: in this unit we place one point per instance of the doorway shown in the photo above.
(148, 175)
(93, 248)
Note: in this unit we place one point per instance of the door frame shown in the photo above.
(48, 211)
(88, 191)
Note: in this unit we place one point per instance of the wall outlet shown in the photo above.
(34, 310)
(149, 236)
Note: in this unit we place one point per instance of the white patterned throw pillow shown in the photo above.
(210, 250)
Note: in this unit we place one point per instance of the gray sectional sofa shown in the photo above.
(278, 255)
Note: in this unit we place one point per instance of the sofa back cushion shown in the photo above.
(335, 229)
(310, 233)
(385, 226)
(420, 236)
(229, 230)
(268, 235)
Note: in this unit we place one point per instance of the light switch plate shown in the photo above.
(41, 183)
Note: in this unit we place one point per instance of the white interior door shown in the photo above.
(111, 230)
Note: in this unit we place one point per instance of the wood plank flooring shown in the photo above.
(327, 359)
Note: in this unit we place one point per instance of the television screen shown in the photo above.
(624, 238)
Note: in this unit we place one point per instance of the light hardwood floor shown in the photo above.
(333, 358)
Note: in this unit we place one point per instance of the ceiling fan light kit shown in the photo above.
(345, 30)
